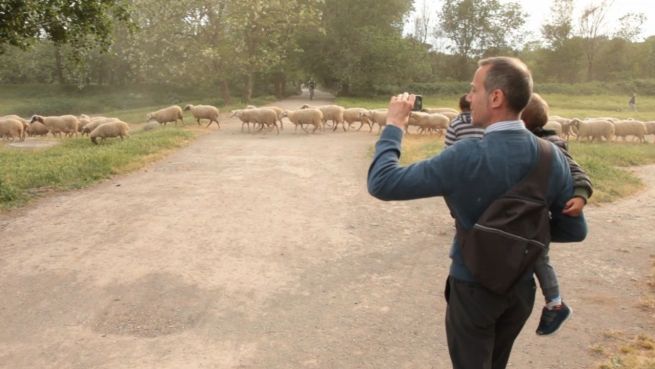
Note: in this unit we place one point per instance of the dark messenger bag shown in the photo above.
(512, 232)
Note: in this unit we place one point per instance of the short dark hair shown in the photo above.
(464, 104)
(512, 77)
(535, 114)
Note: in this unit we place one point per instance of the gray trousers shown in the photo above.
(547, 277)
(481, 326)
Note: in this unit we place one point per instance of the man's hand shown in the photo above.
(574, 207)
(399, 109)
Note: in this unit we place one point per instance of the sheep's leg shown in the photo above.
(199, 122)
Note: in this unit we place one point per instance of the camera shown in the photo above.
(418, 103)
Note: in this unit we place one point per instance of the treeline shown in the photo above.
(353, 47)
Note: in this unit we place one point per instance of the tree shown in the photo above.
(422, 23)
(62, 21)
(592, 23)
(474, 26)
(560, 27)
(630, 26)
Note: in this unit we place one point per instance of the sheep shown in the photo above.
(650, 128)
(378, 116)
(57, 124)
(111, 129)
(435, 122)
(305, 116)
(204, 112)
(625, 128)
(165, 115)
(450, 113)
(83, 120)
(150, 126)
(95, 123)
(20, 119)
(37, 129)
(246, 117)
(278, 112)
(353, 115)
(12, 128)
(593, 129)
(330, 112)
(554, 126)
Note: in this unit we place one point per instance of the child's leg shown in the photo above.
(547, 279)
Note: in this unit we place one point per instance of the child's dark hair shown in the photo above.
(464, 104)
(535, 114)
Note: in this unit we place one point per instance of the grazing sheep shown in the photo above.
(353, 115)
(625, 128)
(330, 112)
(12, 128)
(204, 112)
(37, 129)
(112, 129)
(57, 125)
(165, 115)
(150, 126)
(83, 120)
(20, 119)
(593, 129)
(305, 116)
(95, 123)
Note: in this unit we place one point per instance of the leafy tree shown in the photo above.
(474, 26)
(630, 26)
(592, 23)
(560, 27)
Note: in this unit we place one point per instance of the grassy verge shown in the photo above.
(77, 163)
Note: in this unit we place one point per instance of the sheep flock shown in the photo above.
(310, 119)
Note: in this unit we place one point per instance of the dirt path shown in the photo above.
(265, 251)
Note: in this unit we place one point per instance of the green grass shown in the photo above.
(77, 163)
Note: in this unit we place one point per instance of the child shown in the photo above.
(556, 312)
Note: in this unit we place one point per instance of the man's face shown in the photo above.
(479, 98)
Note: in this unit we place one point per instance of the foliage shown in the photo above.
(77, 163)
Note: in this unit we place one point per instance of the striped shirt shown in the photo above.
(461, 128)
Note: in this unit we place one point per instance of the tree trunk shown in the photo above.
(249, 86)
(225, 92)
(59, 67)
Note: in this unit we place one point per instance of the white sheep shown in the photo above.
(305, 116)
(262, 116)
(95, 123)
(111, 129)
(20, 119)
(352, 115)
(555, 126)
(165, 115)
(426, 122)
(593, 129)
(449, 112)
(57, 125)
(650, 128)
(330, 112)
(37, 129)
(204, 112)
(378, 116)
(245, 115)
(11, 129)
(625, 128)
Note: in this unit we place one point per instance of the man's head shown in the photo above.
(535, 114)
(464, 104)
(500, 89)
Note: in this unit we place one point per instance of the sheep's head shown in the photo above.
(251, 107)
(305, 106)
(575, 122)
(285, 113)
(149, 116)
(36, 118)
(234, 113)
(187, 107)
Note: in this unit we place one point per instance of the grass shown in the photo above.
(604, 163)
(77, 163)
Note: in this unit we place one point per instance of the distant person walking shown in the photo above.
(633, 102)
(312, 85)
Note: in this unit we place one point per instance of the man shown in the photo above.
(461, 127)
(632, 103)
(481, 325)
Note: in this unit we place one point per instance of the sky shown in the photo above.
(539, 11)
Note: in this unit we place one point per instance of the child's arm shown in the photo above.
(582, 187)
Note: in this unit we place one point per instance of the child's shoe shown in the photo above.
(553, 319)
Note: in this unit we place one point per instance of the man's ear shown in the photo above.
(496, 98)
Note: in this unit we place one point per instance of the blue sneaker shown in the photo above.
(552, 320)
